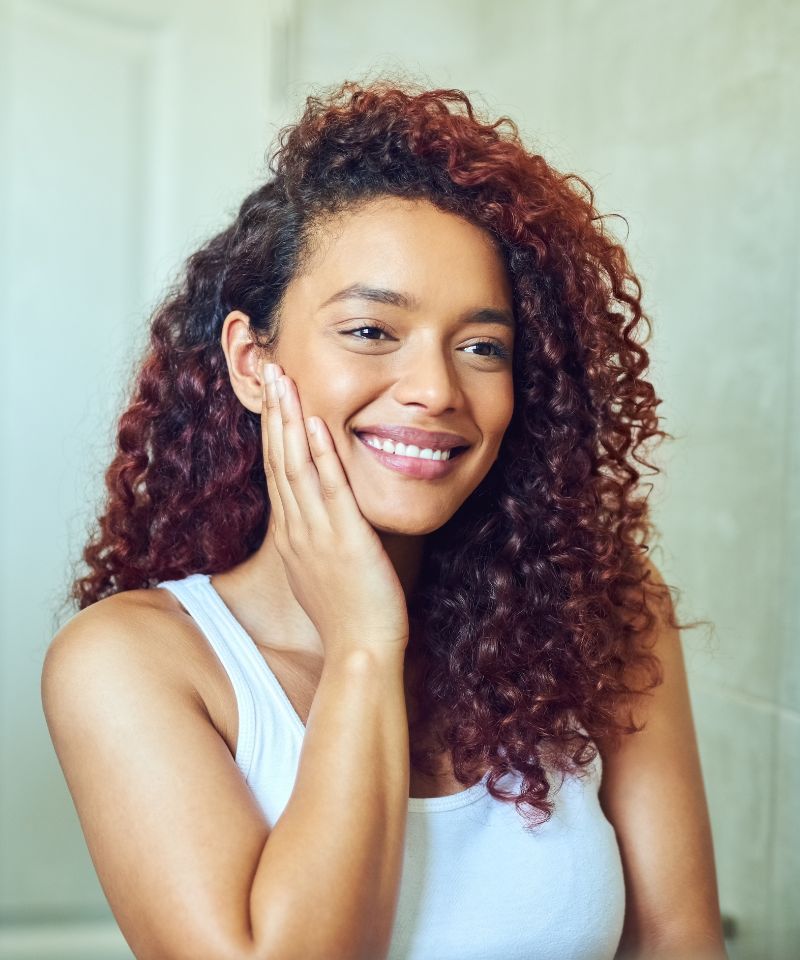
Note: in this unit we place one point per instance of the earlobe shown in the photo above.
(244, 359)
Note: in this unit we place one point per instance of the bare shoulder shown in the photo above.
(144, 627)
(148, 635)
(653, 794)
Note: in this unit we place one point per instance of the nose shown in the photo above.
(428, 378)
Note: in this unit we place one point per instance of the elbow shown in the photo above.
(300, 949)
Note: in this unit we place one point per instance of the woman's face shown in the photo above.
(444, 362)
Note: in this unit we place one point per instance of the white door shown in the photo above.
(129, 131)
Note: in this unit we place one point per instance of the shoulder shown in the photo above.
(146, 620)
(666, 691)
(130, 634)
(654, 778)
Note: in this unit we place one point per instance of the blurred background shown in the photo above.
(131, 129)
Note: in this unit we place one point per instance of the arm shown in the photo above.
(336, 853)
(181, 848)
(653, 794)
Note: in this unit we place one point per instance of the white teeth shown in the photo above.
(389, 446)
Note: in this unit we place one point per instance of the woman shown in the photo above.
(403, 623)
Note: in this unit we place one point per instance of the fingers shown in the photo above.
(299, 470)
(307, 484)
(335, 492)
(269, 403)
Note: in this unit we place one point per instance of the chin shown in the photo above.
(407, 528)
(411, 509)
(408, 521)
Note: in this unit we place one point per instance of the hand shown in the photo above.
(335, 562)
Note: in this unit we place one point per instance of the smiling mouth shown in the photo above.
(453, 451)
(414, 467)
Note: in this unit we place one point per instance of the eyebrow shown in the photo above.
(360, 291)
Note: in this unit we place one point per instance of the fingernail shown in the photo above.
(280, 386)
(269, 372)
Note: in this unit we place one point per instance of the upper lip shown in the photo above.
(420, 438)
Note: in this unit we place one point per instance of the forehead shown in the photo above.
(405, 244)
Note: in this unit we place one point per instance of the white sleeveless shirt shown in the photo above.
(476, 884)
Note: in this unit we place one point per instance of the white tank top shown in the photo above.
(476, 885)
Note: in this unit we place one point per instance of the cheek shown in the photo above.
(333, 395)
(496, 410)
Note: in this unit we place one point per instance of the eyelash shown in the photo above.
(502, 351)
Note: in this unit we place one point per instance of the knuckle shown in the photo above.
(329, 488)
(281, 543)
(296, 540)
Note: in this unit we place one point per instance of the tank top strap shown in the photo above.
(201, 602)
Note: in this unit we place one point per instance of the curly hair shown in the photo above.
(533, 598)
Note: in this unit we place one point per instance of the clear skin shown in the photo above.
(431, 369)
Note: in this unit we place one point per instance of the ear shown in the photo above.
(245, 359)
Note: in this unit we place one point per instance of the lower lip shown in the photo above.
(413, 466)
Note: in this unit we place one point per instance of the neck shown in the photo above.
(266, 602)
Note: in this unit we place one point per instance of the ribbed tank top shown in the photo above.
(476, 883)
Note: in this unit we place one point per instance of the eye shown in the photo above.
(359, 329)
(501, 351)
(501, 354)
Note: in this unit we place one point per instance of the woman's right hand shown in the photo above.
(335, 562)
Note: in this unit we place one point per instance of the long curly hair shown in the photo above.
(533, 599)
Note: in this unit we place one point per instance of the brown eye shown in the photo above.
(501, 352)
(366, 327)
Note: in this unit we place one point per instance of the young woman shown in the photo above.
(369, 660)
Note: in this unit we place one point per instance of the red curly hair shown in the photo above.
(533, 597)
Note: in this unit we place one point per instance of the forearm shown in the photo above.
(327, 882)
